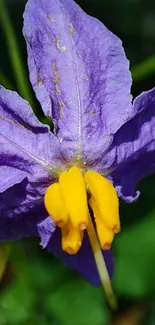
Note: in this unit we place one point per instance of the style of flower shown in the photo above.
(57, 185)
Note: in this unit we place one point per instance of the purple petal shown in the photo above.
(27, 147)
(83, 262)
(80, 75)
(45, 229)
(133, 150)
(22, 214)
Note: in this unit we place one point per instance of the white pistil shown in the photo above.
(101, 265)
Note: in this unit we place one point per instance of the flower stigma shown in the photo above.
(66, 201)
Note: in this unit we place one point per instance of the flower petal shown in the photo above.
(46, 229)
(83, 261)
(80, 75)
(22, 213)
(133, 150)
(27, 147)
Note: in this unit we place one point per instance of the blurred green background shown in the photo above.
(36, 288)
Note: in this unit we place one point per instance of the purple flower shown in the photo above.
(80, 75)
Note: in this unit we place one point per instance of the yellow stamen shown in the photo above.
(66, 202)
(71, 239)
(105, 234)
(55, 204)
(74, 192)
(105, 197)
(101, 266)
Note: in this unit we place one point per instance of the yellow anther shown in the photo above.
(105, 234)
(55, 204)
(71, 239)
(74, 193)
(66, 202)
(63, 180)
(105, 198)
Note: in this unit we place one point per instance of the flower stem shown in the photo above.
(101, 265)
(14, 52)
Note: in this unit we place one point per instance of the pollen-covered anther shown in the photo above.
(55, 205)
(107, 246)
(116, 230)
(105, 206)
(71, 239)
(105, 234)
(66, 202)
(82, 226)
(74, 194)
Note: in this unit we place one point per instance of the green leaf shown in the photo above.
(77, 302)
(135, 259)
(16, 303)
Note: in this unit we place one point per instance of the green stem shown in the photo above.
(14, 52)
(143, 69)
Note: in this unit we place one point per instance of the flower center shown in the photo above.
(66, 201)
